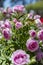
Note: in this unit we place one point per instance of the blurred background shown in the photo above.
(10, 3)
(36, 5)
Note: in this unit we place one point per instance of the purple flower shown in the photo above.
(9, 10)
(32, 33)
(19, 8)
(1, 9)
(15, 20)
(6, 33)
(7, 24)
(2, 26)
(32, 45)
(37, 17)
(20, 57)
(39, 56)
(4, 12)
(31, 14)
(18, 25)
(40, 34)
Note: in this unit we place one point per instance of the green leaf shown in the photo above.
(4, 63)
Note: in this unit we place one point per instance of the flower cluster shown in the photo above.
(33, 45)
(5, 27)
(19, 8)
(18, 24)
(37, 18)
(22, 36)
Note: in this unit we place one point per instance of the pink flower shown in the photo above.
(40, 34)
(6, 33)
(9, 10)
(20, 57)
(4, 12)
(2, 26)
(39, 56)
(18, 25)
(32, 33)
(15, 20)
(30, 15)
(37, 17)
(7, 24)
(32, 45)
(19, 8)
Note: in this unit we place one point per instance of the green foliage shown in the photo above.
(36, 6)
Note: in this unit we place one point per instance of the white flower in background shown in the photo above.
(37, 17)
(31, 14)
(38, 22)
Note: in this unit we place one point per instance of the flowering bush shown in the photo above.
(21, 37)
